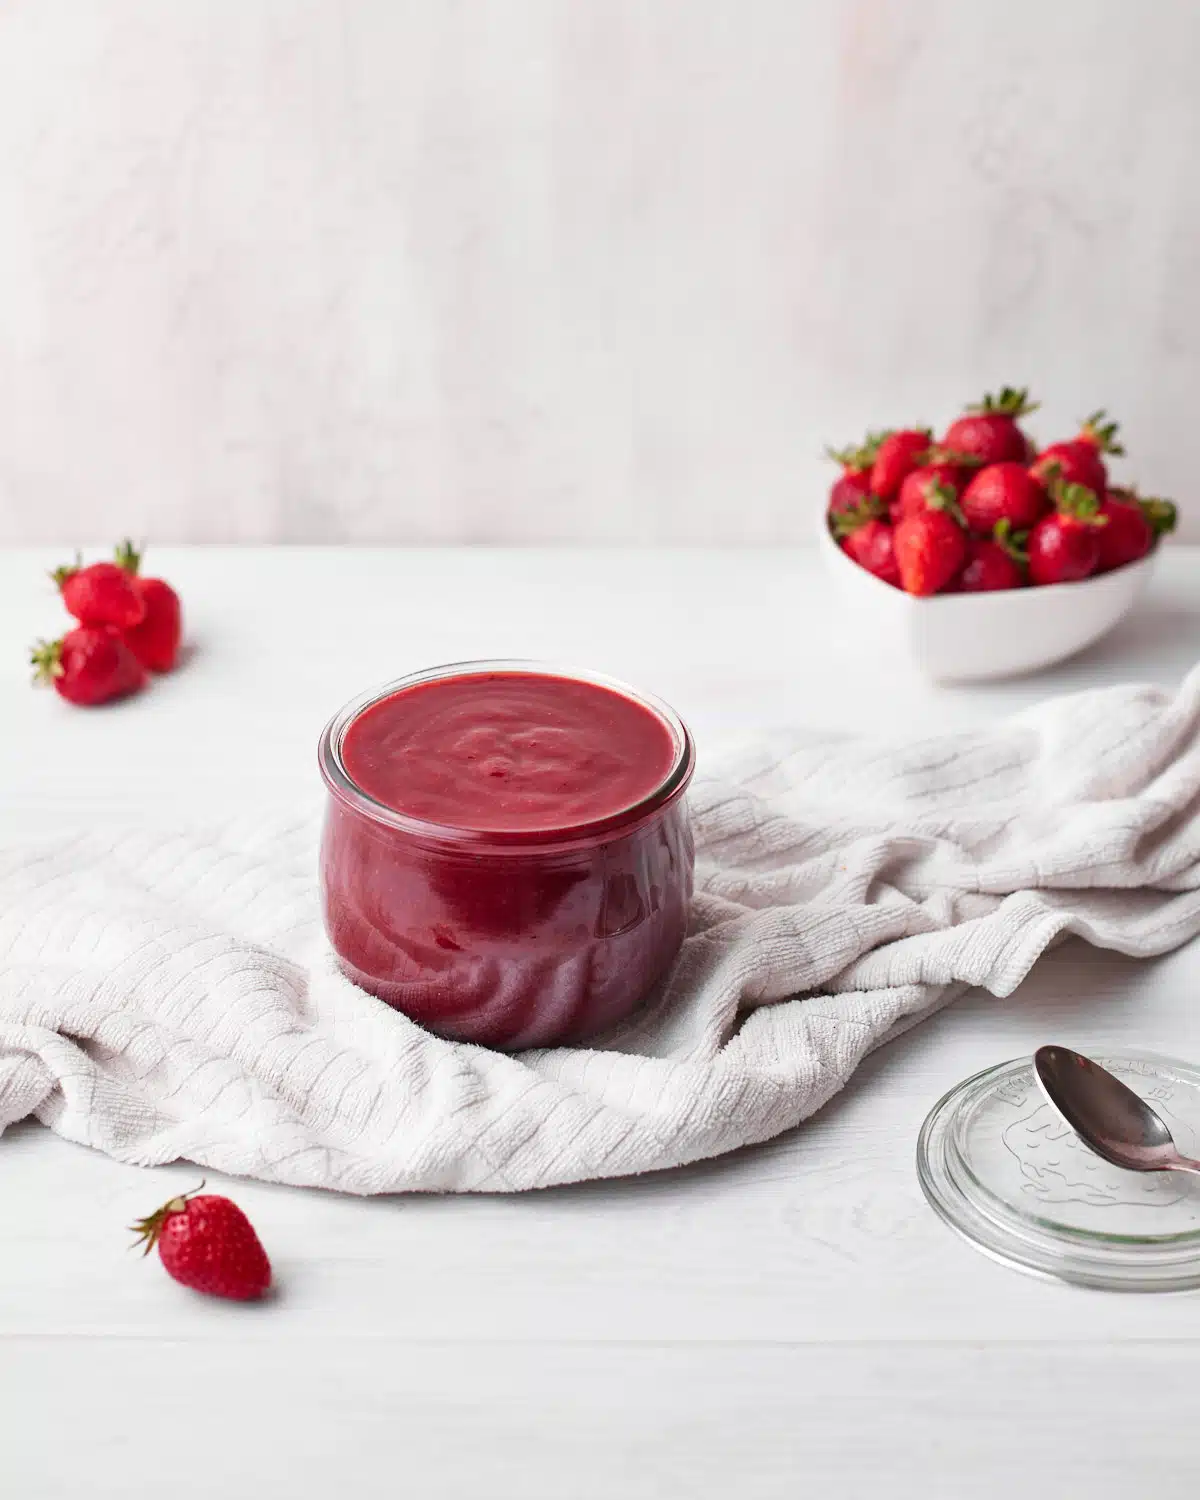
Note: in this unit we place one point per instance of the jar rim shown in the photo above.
(348, 792)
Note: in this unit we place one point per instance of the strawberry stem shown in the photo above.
(59, 576)
(1161, 514)
(846, 522)
(46, 660)
(1102, 433)
(939, 455)
(941, 496)
(1078, 501)
(856, 459)
(151, 1227)
(128, 556)
(1012, 542)
(1012, 401)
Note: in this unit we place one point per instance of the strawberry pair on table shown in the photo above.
(128, 626)
(983, 509)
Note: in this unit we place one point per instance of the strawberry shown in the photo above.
(89, 665)
(207, 1242)
(1065, 545)
(941, 473)
(102, 594)
(1078, 461)
(996, 562)
(1133, 526)
(848, 491)
(866, 539)
(1003, 492)
(899, 454)
(930, 545)
(988, 432)
(155, 641)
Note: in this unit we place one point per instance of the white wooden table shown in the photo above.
(792, 1320)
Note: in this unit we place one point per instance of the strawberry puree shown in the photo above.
(507, 855)
(508, 752)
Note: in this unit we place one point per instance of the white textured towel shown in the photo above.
(173, 997)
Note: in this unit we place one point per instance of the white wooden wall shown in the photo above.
(608, 270)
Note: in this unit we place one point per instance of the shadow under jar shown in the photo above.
(507, 856)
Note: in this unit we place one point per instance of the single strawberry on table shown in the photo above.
(90, 665)
(100, 594)
(1079, 461)
(899, 454)
(1133, 525)
(989, 432)
(155, 639)
(1003, 492)
(931, 544)
(869, 541)
(206, 1242)
(995, 562)
(1064, 547)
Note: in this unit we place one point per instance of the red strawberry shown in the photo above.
(941, 473)
(101, 594)
(989, 432)
(1078, 461)
(1003, 492)
(155, 642)
(90, 665)
(869, 541)
(1133, 525)
(209, 1244)
(930, 545)
(848, 491)
(899, 454)
(997, 562)
(1065, 545)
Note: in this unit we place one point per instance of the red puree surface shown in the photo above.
(522, 942)
(508, 752)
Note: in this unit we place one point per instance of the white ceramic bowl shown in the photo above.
(969, 637)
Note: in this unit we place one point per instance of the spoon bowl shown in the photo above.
(1115, 1122)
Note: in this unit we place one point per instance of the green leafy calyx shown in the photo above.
(1010, 541)
(1009, 401)
(857, 458)
(844, 523)
(1101, 433)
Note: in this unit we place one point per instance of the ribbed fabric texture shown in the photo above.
(173, 997)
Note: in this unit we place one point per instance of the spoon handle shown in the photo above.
(1185, 1164)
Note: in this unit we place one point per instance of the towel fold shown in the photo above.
(167, 997)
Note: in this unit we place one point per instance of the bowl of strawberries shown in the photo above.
(981, 554)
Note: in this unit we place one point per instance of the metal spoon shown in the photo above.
(1107, 1116)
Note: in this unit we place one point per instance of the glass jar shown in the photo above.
(528, 938)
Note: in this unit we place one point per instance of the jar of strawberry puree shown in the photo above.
(507, 856)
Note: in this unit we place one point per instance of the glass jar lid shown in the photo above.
(999, 1164)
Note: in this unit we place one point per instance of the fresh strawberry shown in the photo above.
(869, 541)
(209, 1244)
(996, 562)
(1133, 526)
(1065, 545)
(89, 665)
(1078, 461)
(943, 472)
(101, 594)
(155, 641)
(848, 491)
(1003, 492)
(930, 545)
(899, 454)
(988, 432)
